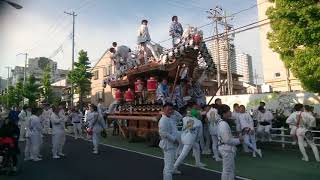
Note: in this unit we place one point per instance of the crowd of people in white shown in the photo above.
(215, 130)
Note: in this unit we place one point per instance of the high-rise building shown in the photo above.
(3, 84)
(244, 67)
(212, 47)
(36, 67)
(274, 72)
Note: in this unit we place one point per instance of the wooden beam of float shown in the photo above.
(140, 118)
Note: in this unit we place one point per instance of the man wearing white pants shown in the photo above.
(46, 120)
(292, 121)
(144, 41)
(304, 122)
(24, 115)
(212, 115)
(58, 133)
(227, 143)
(36, 134)
(176, 117)
(169, 141)
(76, 119)
(64, 118)
(27, 147)
(264, 118)
(247, 131)
(190, 140)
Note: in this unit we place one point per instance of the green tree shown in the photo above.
(19, 92)
(81, 76)
(12, 98)
(295, 36)
(46, 90)
(31, 90)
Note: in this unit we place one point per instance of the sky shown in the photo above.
(42, 29)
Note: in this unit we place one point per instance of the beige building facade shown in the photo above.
(274, 72)
(102, 69)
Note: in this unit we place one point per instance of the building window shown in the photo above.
(99, 95)
(106, 71)
(277, 75)
(96, 75)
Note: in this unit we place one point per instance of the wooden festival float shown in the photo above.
(138, 112)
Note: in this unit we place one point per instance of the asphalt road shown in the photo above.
(110, 164)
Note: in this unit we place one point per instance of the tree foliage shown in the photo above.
(295, 36)
(31, 90)
(46, 90)
(81, 76)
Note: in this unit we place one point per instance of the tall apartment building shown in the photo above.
(36, 67)
(213, 46)
(244, 67)
(274, 72)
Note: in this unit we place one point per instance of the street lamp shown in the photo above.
(13, 4)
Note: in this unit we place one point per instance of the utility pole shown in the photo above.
(227, 49)
(8, 85)
(25, 66)
(72, 66)
(215, 16)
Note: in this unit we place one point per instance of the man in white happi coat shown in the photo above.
(46, 119)
(227, 143)
(246, 126)
(36, 134)
(144, 41)
(190, 138)
(58, 121)
(264, 118)
(212, 115)
(76, 119)
(305, 121)
(292, 121)
(24, 115)
(169, 140)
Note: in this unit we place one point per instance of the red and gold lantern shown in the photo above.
(138, 86)
(129, 96)
(118, 95)
(152, 84)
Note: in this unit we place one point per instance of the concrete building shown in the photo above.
(212, 47)
(36, 67)
(3, 84)
(275, 73)
(101, 70)
(244, 67)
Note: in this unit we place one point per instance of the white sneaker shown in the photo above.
(56, 157)
(176, 171)
(95, 152)
(36, 159)
(27, 159)
(303, 159)
(254, 155)
(259, 153)
(201, 165)
(61, 154)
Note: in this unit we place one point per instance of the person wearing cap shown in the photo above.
(227, 143)
(169, 140)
